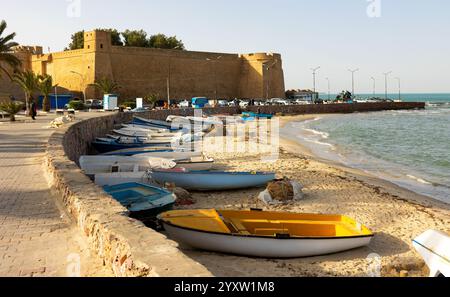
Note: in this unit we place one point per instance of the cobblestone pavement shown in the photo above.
(37, 238)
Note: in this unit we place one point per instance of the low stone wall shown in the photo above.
(336, 108)
(124, 244)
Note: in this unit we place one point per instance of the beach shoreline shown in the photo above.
(394, 214)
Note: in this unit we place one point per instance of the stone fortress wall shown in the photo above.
(142, 71)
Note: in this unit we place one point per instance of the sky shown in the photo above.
(408, 37)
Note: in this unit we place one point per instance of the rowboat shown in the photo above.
(146, 128)
(434, 247)
(212, 180)
(154, 124)
(117, 178)
(257, 233)
(104, 145)
(142, 200)
(107, 164)
(161, 152)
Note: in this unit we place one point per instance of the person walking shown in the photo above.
(33, 111)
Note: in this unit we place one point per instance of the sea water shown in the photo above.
(408, 148)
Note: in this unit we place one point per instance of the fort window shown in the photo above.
(101, 45)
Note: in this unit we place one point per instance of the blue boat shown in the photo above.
(253, 115)
(212, 180)
(142, 200)
(110, 145)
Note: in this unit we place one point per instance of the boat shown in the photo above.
(434, 247)
(145, 128)
(140, 199)
(252, 116)
(154, 124)
(147, 139)
(105, 146)
(160, 152)
(257, 233)
(108, 164)
(201, 163)
(211, 180)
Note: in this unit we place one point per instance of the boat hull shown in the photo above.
(106, 147)
(263, 247)
(212, 181)
(434, 247)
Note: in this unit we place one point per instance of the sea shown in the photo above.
(408, 148)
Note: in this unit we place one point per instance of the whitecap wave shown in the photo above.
(418, 179)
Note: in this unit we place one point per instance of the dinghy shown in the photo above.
(105, 145)
(265, 234)
(154, 124)
(142, 200)
(212, 180)
(108, 164)
(147, 139)
(434, 247)
(160, 152)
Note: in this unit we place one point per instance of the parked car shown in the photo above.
(94, 104)
(223, 103)
(184, 103)
(244, 103)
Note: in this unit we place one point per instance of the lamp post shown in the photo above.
(374, 85)
(82, 83)
(168, 76)
(268, 68)
(328, 80)
(314, 70)
(56, 98)
(386, 74)
(215, 75)
(353, 80)
(399, 88)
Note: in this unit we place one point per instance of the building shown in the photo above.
(142, 71)
(302, 95)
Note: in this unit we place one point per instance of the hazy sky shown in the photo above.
(410, 37)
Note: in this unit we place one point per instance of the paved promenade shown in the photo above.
(37, 238)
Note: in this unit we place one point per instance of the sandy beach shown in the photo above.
(395, 214)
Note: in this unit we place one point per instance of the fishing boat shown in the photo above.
(162, 152)
(201, 163)
(147, 139)
(109, 145)
(142, 200)
(212, 180)
(257, 233)
(145, 128)
(92, 165)
(434, 247)
(154, 124)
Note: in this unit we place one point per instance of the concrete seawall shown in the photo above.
(124, 244)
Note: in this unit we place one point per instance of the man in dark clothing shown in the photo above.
(33, 111)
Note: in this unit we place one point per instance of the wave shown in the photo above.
(324, 135)
(418, 179)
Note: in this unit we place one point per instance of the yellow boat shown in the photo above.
(265, 234)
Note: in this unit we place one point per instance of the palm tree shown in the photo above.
(11, 108)
(106, 85)
(45, 85)
(6, 48)
(28, 81)
(151, 99)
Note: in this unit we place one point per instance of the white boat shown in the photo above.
(265, 234)
(132, 133)
(147, 139)
(434, 247)
(112, 179)
(108, 164)
(111, 164)
(161, 152)
(145, 128)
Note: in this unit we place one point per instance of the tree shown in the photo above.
(45, 86)
(6, 49)
(106, 85)
(135, 38)
(77, 41)
(151, 99)
(162, 41)
(28, 81)
(11, 108)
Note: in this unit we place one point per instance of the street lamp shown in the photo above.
(314, 70)
(399, 88)
(82, 83)
(168, 76)
(215, 74)
(374, 85)
(328, 80)
(56, 98)
(386, 84)
(268, 68)
(353, 80)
